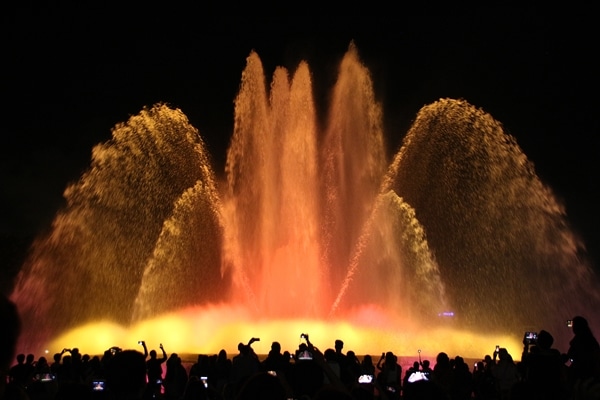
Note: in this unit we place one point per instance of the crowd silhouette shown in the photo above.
(543, 373)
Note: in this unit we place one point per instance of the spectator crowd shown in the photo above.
(543, 372)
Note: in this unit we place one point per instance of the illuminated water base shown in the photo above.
(369, 330)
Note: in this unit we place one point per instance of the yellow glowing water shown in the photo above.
(370, 330)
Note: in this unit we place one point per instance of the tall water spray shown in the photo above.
(312, 224)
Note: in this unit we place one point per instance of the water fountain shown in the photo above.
(313, 230)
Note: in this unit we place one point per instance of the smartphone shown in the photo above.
(570, 323)
(272, 373)
(98, 386)
(44, 377)
(530, 337)
(204, 380)
(365, 379)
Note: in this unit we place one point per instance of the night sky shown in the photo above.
(70, 75)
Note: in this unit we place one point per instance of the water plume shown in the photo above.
(313, 229)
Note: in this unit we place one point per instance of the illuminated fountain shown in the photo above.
(313, 230)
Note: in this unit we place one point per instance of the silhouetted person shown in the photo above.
(307, 375)
(175, 378)
(55, 366)
(410, 371)
(342, 360)
(353, 368)
(584, 352)
(201, 367)
(442, 373)
(390, 375)
(332, 361)
(275, 360)
(366, 365)
(462, 380)
(18, 376)
(505, 373)
(154, 371)
(426, 368)
(222, 370)
(244, 364)
(483, 382)
(542, 367)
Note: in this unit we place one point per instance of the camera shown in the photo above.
(530, 337)
(570, 323)
(140, 342)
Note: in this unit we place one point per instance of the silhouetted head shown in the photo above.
(504, 355)
(442, 359)
(152, 353)
(580, 326)
(339, 345)
(390, 358)
(544, 340)
(245, 350)
(330, 355)
(351, 355)
(276, 347)
(20, 358)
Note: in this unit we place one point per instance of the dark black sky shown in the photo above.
(69, 75)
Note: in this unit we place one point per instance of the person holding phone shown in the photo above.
(154, 370)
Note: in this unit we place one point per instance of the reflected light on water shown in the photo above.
(369, 330)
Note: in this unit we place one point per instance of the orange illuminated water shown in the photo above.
(312, 229)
